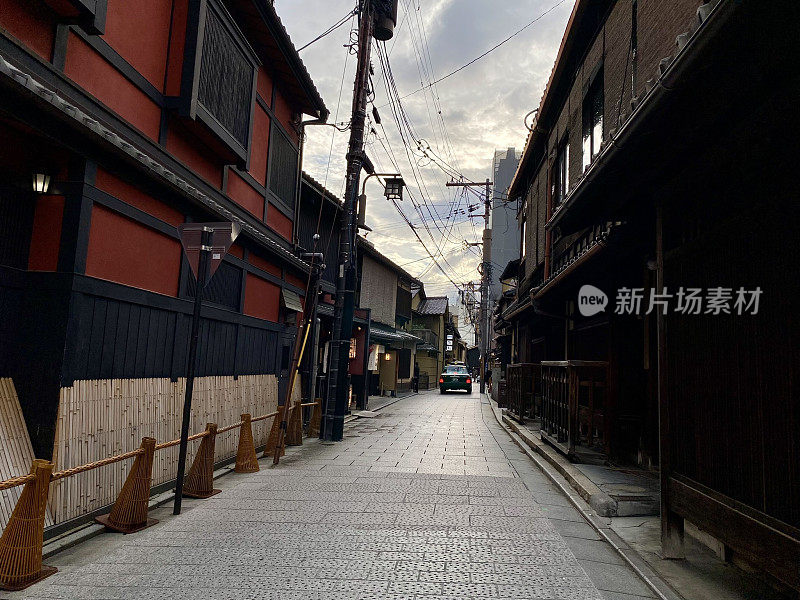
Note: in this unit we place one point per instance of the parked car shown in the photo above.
(455, 377)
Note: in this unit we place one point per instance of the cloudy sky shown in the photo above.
(482, 109)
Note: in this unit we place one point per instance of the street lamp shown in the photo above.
(41, 181)
(394, 188)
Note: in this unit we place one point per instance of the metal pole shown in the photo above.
(487, 266)
(338, 381)
(482, 325)
(202, 271)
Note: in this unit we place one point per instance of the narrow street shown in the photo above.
(427, 499)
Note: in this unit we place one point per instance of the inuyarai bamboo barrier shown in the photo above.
(102, 418)
(16, 453)
(21, 540)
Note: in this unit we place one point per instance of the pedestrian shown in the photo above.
(489, 380)
(416, 377)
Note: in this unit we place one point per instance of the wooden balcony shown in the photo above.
(523, 382)
(429, 338)
(573, 402)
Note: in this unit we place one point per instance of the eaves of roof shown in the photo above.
(369, 248)
(322, 190)
(271, 41)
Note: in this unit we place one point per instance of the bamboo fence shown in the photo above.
(16, 453)
(102, 418)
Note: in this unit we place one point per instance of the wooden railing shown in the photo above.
(573, 403)
(524, 389)
(428, 337)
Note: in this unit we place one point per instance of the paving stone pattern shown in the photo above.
(429, 499)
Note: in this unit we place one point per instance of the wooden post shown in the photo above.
(316, 418)
(129, 513)
(671, 523)
(572, 413)
(274, 436)
(294, 429)
(200, 480)
(246, 459)
(21, 543)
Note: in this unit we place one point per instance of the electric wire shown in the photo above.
(330, 29)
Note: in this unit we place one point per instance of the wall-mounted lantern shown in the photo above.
(41, 181)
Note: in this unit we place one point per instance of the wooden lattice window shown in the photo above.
(219, 77)
(282, 167)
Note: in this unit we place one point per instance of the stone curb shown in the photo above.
(648, 575)
(603, 504)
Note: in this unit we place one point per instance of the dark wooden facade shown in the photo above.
(122, 104)
(690, 186)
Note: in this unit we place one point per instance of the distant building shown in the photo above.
(503, 220)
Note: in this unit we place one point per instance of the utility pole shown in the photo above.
(385, 13)
(486, 270)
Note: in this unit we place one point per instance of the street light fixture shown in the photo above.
(41, 181)
(394, 188)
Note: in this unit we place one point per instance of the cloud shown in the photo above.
(482, 109)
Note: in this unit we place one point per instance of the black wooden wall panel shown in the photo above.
(33, 321)
(329, 229)
(735, 408)
(17, 209)
(115, 337)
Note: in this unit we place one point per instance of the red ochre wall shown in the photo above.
(279, 222)
(300, 282)
(261, 298)
(46, 234)
(192, 152)
(140, 31)
(283, 112)
(98, 77)
(264, 265)
(30, 22)
(130, 194)
(259, 150)
(244, 195)
(127, 252)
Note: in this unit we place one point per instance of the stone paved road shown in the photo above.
(429, 499)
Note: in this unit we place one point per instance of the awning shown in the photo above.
(389, 334)
(511, 270)
(291, 300)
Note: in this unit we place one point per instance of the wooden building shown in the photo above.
(432, 324)
(137, 117)
(660, 162)
(385, 289)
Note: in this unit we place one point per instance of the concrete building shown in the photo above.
(503, 219)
